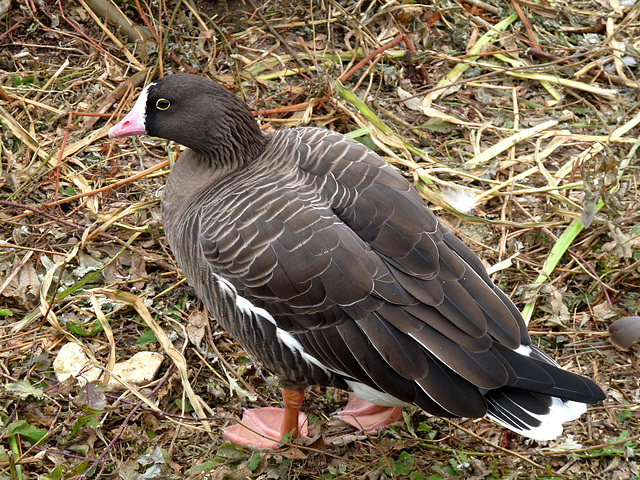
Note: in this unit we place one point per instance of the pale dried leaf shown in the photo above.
(197, 327)
(409, 100)
(603, 311)
(25, 285)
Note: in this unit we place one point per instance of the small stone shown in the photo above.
(139, 370)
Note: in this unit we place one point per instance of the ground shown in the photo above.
(528, 153)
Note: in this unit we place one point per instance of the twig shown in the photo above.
(147, 23)
(604, 286)
(594, 72)
(594, 447)
(79, 30)
(15, 272)
(285, 109)
(115, 185)
(275, 33)
(108, 449)
(112, 14)
(484, 6)
(228, 365)
(121, 91)
(527, 24)
(13, 27)
(345, 76)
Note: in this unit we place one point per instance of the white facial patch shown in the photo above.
(139, 110)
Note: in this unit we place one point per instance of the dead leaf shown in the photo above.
(197, 327)
(555, 306)
(603, 311)
(414, 103)
(25, 285)
(92, 396)
(138, 271)
(342, 440)
(64, 389)
(23, 389)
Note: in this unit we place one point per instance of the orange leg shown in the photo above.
(292, 400)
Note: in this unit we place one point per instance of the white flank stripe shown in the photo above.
(283, 336)
(372, 395)
(358, 389)
(524, 350)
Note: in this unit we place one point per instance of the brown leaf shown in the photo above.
(196, 327)
(65, 388)
(92, 396)
(25, 285)
(138, 271)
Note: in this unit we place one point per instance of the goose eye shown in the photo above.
(163, 104)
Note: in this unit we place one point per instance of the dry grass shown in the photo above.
(529, 111)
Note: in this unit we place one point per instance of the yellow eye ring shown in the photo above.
(163, 104)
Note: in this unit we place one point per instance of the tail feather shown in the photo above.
(533, 407)
(533, 415)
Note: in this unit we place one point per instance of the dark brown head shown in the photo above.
(197, 113)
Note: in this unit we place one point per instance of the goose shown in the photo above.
(326, 265)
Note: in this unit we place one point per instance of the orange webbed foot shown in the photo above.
(367, 416)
